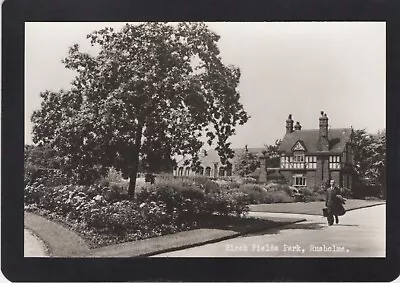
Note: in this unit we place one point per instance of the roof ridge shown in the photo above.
(317, 129)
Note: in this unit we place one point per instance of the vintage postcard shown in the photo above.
(215, 139)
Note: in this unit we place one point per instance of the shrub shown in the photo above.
(278, 197)
(208, 185)
(48, 177)
(105, 215)
(104, 183)
(259, 194)
(306, 191)
(114, 193)
(192, 200)
(289, 190)
(226, 203)
(126, 217)
(204, 183)
(346, 192)
(249, 180)
(114, 176)
(255, 193)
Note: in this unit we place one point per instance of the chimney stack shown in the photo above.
(289, 124)
(297, 127)
(323, 132)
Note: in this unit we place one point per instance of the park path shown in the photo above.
(360, 233)
(33, 247)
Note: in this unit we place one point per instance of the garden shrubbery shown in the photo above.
(265, 194)
(105, 215)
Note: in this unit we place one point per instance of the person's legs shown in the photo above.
(337, 218)
(330, 217)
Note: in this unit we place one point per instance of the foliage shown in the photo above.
(256, 193)
(280, 187)
(370, 163)
(106, 215)
(151, 92)
(315, 194)
(272, 154)
(279, 197)
(42, 164)
(259, 194)
(206, 197)
(42, 156)
(206, 184)
(247, 163)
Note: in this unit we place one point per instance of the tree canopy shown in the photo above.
(272, 154)
(370, 154)
(248, 162)
(153, 90)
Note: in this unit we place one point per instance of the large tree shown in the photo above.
(370, 157)
(153, 90)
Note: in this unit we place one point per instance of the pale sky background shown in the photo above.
(287, 68)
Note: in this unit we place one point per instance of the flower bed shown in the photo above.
(106, 216)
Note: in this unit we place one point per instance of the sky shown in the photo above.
(298, 68)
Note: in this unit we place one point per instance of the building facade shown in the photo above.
(312, 157)
(211, 165)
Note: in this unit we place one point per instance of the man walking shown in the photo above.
(333, 202)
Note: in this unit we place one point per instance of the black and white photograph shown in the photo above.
(205, 139)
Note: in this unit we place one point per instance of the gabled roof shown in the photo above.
(299, 145)
(337, 140)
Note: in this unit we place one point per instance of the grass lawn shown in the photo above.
(65, 243)
(60, 241)
(217, 229)
(312, 208)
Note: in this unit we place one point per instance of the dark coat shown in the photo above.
(333, 202)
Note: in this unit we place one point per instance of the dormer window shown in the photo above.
(298, 152)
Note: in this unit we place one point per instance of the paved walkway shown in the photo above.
(360, 233)
(33, 247)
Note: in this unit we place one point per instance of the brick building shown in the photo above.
(312, 157)
(211, 165)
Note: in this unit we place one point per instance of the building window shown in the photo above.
(298, 157)
(298, 160)
(334, 162)
(187, 171)
(221, 172)
(208, 171)
(286, 162)
(311, 162)
(180, 171)
(299, 181)
(201, 171)
(228, 172)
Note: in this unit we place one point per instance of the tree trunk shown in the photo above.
(135, 163)
(132, 177)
